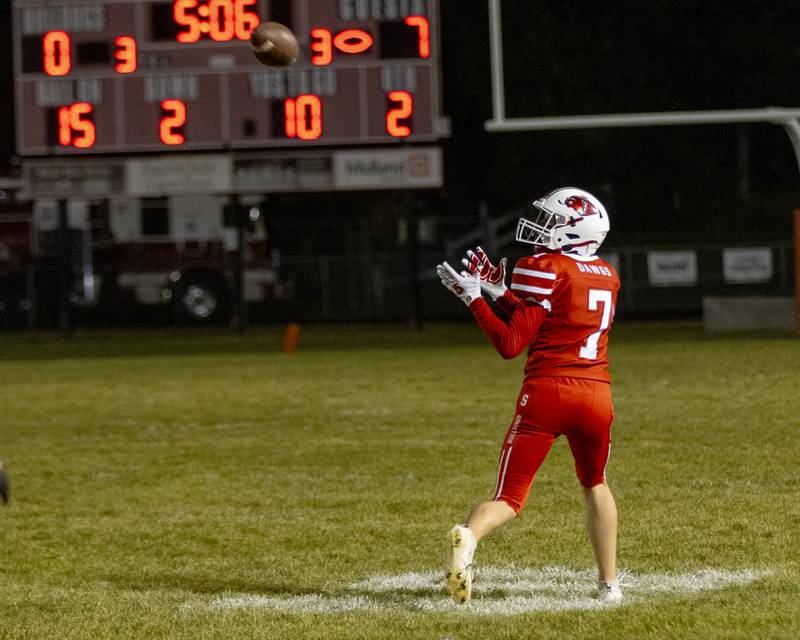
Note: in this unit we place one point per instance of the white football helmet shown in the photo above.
(567, 219)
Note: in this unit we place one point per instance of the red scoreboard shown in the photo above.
(114, 76)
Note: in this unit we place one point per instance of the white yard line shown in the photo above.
(497, 591)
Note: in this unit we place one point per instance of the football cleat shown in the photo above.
(609, 592)
(461, 545)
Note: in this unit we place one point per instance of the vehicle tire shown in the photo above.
(200, 298)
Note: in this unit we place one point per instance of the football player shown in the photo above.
(559, 307)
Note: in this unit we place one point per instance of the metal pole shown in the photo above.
(30, 294)
(64, 265)
(496, 54)
(774, 115)
(239, 306)
(413, 260)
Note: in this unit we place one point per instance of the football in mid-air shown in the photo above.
(274, 44)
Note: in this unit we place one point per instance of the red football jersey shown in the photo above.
(580, 295)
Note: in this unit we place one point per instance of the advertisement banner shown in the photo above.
(179, 175)
(672, 268)
(745, 266)
(416, 167)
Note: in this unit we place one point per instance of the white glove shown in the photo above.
(464, 285)
(492, 277)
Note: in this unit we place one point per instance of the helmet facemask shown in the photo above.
(540, 230)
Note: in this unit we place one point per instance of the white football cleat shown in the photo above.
(461, 545)
(609, 591)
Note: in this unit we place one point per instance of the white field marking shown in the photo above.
(496, 591)
(310, 603)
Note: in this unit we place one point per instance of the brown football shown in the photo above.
(274, 44)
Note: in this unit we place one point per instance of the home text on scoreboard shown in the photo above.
(115, 77)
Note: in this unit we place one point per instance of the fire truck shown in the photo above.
(178, 253)
(121, 255)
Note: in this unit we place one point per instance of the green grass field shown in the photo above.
(202, 485)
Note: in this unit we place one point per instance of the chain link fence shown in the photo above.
(386, 286)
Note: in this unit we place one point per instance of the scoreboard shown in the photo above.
(121, 76)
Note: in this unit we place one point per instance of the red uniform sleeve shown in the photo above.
(507, 302)
(509, 338)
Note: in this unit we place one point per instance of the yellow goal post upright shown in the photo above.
(788, 118)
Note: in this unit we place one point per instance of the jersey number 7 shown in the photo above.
(597, 297)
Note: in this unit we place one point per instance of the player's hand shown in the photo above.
(492, 277)
(467, 286)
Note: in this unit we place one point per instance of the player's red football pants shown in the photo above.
(547, 408)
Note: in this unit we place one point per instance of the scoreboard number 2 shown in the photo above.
(399, 115)
(173, 119)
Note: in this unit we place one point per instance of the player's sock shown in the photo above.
(609, 591)
(461, 545)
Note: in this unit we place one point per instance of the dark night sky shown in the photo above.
(589, 57)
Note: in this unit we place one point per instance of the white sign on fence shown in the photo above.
(744, 266)
(672, 268)
(613, 259)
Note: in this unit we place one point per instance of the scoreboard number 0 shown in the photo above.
(57, 57)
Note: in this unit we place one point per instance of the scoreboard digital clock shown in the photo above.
(114, 76)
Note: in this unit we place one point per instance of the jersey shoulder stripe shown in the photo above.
(534, 273)
(533, 279)
(530, 288)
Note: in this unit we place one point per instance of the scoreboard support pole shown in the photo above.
(64, 266)
(239, 319)
(412, 217)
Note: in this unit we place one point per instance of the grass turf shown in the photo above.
(153, 473)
